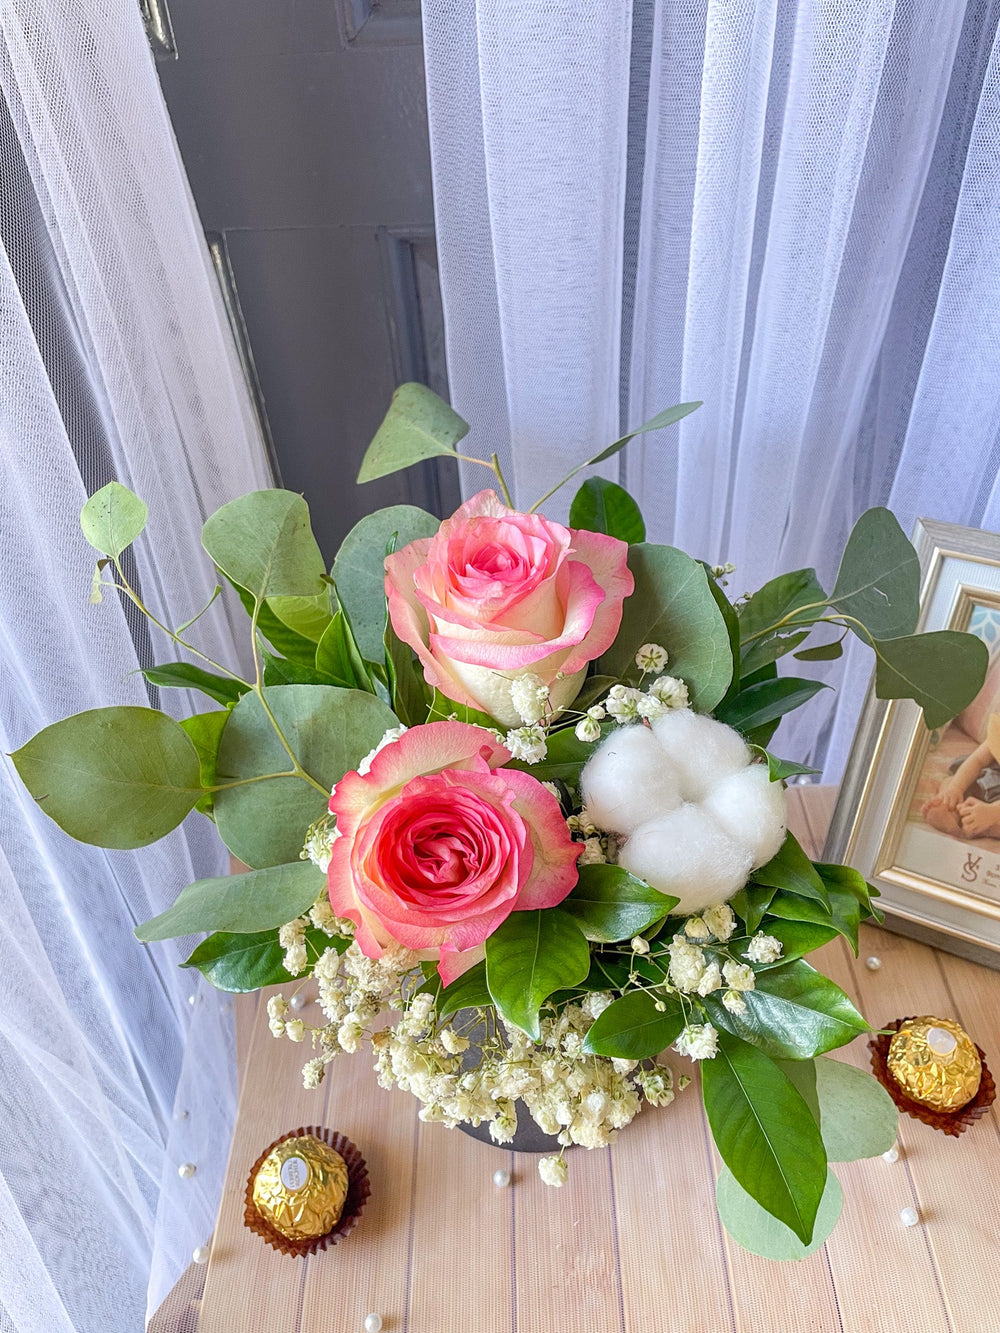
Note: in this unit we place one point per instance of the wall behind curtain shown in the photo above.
(117, 362)
(788, 211)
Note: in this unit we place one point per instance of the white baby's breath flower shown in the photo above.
(738, 975)
(277, 1006)
(592, 854)
(322, 916)
(711, 979)
(698, 1041)
(623, 704)
(720, 920)
(651, 707)
(553, 1171)
(312, 1073)
(526, 744)
(295, 1029)
(734, 1002)
(651, 657)
(349, 1035)
(552, 790)
(687, 964)
(596, 1002)
(452, 1042)
(669, 690)
(657, 1085)
(763, 949)
(639, 945)
(598, 712)
(695, 928)
(587, 730)
(318, 846)
(529, 694)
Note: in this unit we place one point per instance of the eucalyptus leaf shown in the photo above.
(359, 568)
(823, 652)
(673, 605)
(732, 625)
(780, 602)
(288, 642)
(330, 731)
(264, 543)
(417, 425)
(286, 671)
(469, 991)
(858, 1118)
(632, 1028)
(185, 676)
(308, 616)
(528, 957)
(765, 1133)
(593, 688)
(757, 705)
(247, 962)
(113, 777)
(112, 518)
(942, 671)
(667, 417)
(753, 1228)
(878, 581)
(255, 901)
(205, 731)
(610, 905)
(603, 506)
(793, 1013)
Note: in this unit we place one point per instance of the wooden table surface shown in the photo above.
(632, 1244)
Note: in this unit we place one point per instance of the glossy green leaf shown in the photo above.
(338, 655)
(288, 642)
(330, 730)
(753, 1228)
(307, 616)
(765, 1133)
(112, 518)
(264, 543)
(205, 731)
(528, 957)
(878, 581)
(469, 991)
(286, 671)
(793, 1014)
(858, 1118)
(757, 705)
(943, 671)
(603, 506)
(255, 901)
(751, 903)
(417, 425)
(442, 708)
(113, 777)
(797, 938)
(781, 769)
(732, 626)
(632, 1028)
(407, 689)
(673, 605)
(184, 676)
(792, 871)
(823, 652)
(247, 962)
(779, 603)
(359, 568)
(667, 417)
(593, 688)
(609, 904)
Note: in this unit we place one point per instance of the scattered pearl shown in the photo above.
(298, 1001)
(181, 1114)
(373, 1323)
(186, 1170)
(873, 963)
(909, 1217)
(891, 1155)
(201, 1254)
(501, 1178)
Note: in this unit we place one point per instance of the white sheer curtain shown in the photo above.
(116, 362)
(800, 228)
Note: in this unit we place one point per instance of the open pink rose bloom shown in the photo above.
(496, 593)
(435, 850)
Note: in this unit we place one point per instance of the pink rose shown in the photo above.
(434, 849)
(497, 593)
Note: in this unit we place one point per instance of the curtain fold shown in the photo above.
(817, 232)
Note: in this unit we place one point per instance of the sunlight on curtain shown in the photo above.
(117, 362)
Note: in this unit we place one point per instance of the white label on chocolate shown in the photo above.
(294, 1173)
(941, 1041)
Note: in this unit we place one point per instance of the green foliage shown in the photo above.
(417, 425)
(328, 729)
(857, 1116)
(792, 871)
(632, 1028)
(752, 1227)
(112, 519)
(292, 645)
(943, 671)
(793, 1014)
(338, 655)
(359, 573)
(751, 903)
(778, 602)
(667, 417)
(780, 769)
(286, 671)
(878, 581)
(823, 652)
(765, 1133)
(469, 991)
(184, 676)
(305, 616)
(248, 962)
(240, 904)
(756, 706)
(113, 777)
(673, 605)
(205, 731)
(528, 957)
(263, 543)
(609, 904)
(442, 708)
(797, 938)
(407, 689)
(602, 506)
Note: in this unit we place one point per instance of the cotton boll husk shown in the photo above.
(703, 751)
(750, 808)
(628, 781)
(687, 854)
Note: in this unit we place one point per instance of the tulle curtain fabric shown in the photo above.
(813, 189)
(117, 363)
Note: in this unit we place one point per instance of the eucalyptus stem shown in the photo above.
(494, 467)
(787, 619)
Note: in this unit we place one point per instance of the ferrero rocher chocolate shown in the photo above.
(300, 1188)
(935, 1063)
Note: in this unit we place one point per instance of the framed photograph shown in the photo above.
(919, 811)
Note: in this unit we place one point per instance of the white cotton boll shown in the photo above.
(704, 751)
(628, 781)
(750, 808)
(686, 853)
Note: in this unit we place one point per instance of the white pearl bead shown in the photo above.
(909, 1217)
(891, 1155)
(873, 963)
(298, 1001)
(501, 1178)
(186, 1170)
(201, 1254)
(373, 1323)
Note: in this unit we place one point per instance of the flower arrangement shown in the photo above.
(504, 790)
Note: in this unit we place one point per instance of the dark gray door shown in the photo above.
(303, 128)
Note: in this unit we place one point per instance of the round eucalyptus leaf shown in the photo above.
(857, 1116)
(263, 542)
(112, 518)
(760, 1233)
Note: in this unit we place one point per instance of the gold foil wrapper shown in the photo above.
(300, 1188)
(935, 1063)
